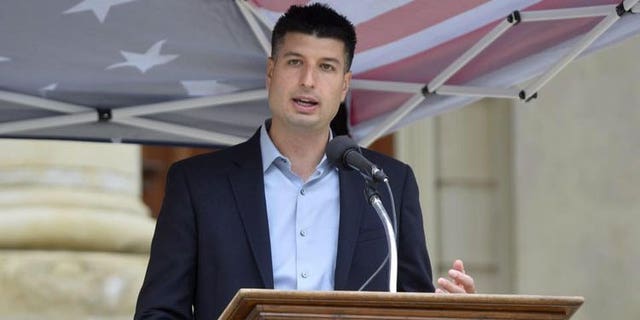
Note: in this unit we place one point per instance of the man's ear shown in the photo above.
(346, 82)
(270, 65)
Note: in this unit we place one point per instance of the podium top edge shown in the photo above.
(414, 296)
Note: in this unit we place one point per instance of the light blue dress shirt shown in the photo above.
(303, 221)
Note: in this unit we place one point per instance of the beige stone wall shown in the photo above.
(74, 233)
(462, 164)
(541, 197)
(577, 179)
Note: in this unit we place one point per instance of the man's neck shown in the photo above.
(304, 148)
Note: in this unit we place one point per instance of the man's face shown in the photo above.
(306, 80)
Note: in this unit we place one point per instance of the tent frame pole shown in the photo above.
(48, 122)
(387, 86)
(165, 127)
(265, 22)
(563, 14)
(454, 67)
(586, 40)
(444, 90)
(188, 104)
(394, 118)
(41, 103)
(250, 16)
(483, 92)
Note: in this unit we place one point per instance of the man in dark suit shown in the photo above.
(272, 212)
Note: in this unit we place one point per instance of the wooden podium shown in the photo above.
(274, 304)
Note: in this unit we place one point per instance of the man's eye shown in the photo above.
(294, 62)
(327, 67)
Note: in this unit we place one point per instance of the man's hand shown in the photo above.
(459, 281)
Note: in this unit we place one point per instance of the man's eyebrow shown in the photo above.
(327, 59)
(291, 53)
(334, 60)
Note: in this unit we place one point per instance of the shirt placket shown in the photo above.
(307, 279)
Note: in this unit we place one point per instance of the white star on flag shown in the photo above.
(207, 87)
(43, 91)
(145, 61)
(100, 8)
(4, 59)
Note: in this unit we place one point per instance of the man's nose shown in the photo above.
(307, 77)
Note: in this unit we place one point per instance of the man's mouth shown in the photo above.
(305, 101)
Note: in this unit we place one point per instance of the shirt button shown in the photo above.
(304, 275)
(303, 233)
(302, 192)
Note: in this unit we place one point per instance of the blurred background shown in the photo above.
(537, 198)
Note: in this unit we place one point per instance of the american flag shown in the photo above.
(192, 71)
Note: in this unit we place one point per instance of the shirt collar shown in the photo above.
(270, 153)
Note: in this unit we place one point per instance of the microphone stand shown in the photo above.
(374, 199)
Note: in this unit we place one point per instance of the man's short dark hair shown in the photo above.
(318, 20)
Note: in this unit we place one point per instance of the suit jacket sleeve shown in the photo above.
(169, 285)
(414, 267)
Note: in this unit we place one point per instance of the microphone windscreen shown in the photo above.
(336, 149)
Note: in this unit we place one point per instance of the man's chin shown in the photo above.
(307, 123)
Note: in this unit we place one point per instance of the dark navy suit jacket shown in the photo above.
(212, 236)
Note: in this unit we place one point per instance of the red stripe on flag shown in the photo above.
(407, 20)
(278, 5)
(555, 4)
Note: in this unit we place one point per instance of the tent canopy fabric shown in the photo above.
(192, 72)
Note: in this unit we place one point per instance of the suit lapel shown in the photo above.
(248, 188)
(351, 209)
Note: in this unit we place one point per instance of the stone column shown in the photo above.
(74, 233)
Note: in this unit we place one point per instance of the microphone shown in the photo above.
(345, 153)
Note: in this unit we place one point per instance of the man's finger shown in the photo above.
(449, 287)
(458, 265)
(463, 280)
